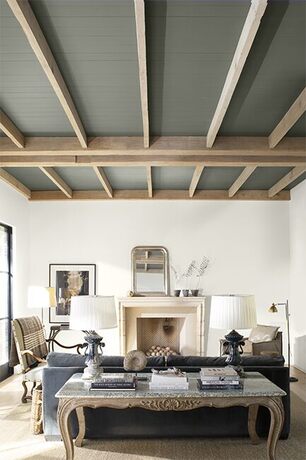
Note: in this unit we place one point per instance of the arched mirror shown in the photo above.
(150, 271)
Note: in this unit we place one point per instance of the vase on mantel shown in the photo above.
(194, 292)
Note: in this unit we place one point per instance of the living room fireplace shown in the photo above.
(161, 326)
(159, 336)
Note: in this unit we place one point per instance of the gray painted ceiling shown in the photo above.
(190, 45)
(32, 178)
(163, 178)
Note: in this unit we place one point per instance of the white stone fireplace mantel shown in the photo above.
(189, 309)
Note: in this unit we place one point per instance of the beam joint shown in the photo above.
(57, 180)
(292, 116)
(104, 180)
(9, 128)
(246, 173)
(292, 175)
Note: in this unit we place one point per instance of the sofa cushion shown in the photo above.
(261, 333)
(55, 359)
(207, 361)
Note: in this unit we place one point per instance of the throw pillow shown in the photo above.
(262, 333)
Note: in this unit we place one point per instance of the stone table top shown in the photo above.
(254, 384)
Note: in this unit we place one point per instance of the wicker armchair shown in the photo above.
(29, 349)
(273, 348)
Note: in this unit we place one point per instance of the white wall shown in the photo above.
(247, 243)
(14, 211)
(298, 274)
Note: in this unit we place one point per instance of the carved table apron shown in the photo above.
(165, 403)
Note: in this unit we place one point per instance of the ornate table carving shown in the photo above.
(164, 402)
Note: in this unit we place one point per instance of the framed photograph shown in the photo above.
(69, 280)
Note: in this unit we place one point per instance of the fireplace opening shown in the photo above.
(159, 336)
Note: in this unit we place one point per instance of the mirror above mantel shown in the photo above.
(150, 271)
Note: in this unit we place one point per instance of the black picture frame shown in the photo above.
(69, 279)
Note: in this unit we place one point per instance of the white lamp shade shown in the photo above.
(91, 313)
(41, 297)
(233, 312)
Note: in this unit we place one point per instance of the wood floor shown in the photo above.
(16, 442)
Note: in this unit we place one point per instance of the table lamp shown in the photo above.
(41, 297)
(88, 314)
(233, 312)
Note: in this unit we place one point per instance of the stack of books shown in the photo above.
(171, 379)
(219, 378)
(113, 382)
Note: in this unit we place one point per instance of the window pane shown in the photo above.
(4, 296)
(4, 332)
(4, 248)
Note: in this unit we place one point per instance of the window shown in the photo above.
(5, 299)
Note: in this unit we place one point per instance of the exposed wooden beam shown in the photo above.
(195, 179)
(8, 127)
(245, 42)
(142, 66)
(15, 183)
(57, 180)
(182, 146)
(241, 180)
(26, 18)
(160, 195)
(104, 180)
(151, 160)
(294, 113)
(286, 180)
(149, 181)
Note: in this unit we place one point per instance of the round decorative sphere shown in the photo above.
(135, 361)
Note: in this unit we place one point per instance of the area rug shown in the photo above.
(35, 448)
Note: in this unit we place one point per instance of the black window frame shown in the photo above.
(5, 369)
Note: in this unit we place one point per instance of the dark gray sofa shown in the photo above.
(137, 423)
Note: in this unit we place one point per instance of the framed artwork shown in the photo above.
(69, 280)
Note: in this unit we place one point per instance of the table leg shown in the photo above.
(63, 413)
(252, 417)
(276, 409)
(81, 421)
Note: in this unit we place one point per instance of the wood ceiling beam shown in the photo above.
(246, 173)
(139, 6)
(57, 180)
(292, 116)
(160, 195)
(149, 181)
(8, 127)
(177, 145)
(15, 183)
(151, 160)
(245, 42)
(104, 180)
(26, 18)
(195, 179)
(286, 180)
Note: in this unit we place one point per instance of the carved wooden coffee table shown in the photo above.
(257, 391)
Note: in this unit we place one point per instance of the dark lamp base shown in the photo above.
(234, 340)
